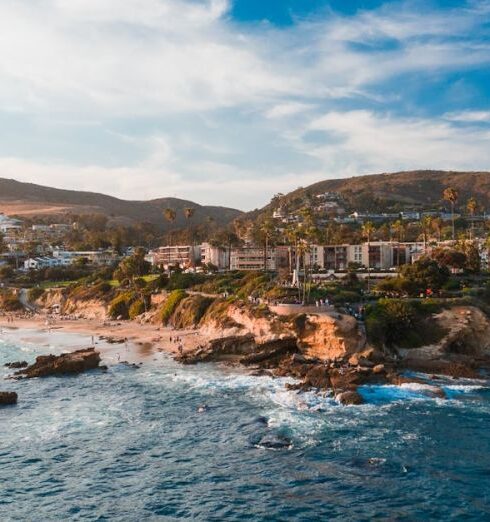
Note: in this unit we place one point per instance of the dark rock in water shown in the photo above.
(17, 364)
(262, 420)
(318, 377)
(67, 363)
(274, 441)
(350, 397)
(8, 398)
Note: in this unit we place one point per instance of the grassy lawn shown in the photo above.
(55, 284)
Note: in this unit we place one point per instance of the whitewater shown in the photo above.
(171, 442)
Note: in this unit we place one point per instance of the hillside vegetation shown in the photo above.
(28, 199)
(419, 189)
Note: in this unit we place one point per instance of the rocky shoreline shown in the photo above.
(323, 351)
(331, 352)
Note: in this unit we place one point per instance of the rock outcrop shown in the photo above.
(349, 398)
(463, 349)
(8, 398)
(68, 363)
(16, 365)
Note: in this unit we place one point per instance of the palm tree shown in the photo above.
(437, 227)
(450, 194)
(367, 232)
(399, 229)
(170, 214)
(426, 224)
(472, 207)
(267, 230)
(189, 212)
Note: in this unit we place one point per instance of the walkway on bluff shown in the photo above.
(293, 309)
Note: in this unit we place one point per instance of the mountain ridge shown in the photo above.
(31, 199)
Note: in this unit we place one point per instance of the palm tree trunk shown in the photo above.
(452, 219)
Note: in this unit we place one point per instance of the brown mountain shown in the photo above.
(29, 200)
(419, 189)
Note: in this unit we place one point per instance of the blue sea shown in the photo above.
(134, 444)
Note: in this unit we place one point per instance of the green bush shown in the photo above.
(397, 322)
(171, 304)
(180, 281)
(158, 284)
(136, 308)
(120, 305)
(35, 293)
(190, 311)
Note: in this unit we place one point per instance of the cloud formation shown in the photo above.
(175, 97)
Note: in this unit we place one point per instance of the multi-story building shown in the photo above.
(217, 256)
(183, 256)
(253, 258)
(96, 257)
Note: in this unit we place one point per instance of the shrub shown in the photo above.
(180, 281)
(190, 311)
(136, 308)
(158, 284)
(35, 293)
(120, 305)
(396, 322)
(171, 304)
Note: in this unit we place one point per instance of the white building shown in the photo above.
(8, 224)
(37, 263)
(183, 256)
(96, 257)
(217, 256)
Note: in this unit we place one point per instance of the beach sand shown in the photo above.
(138, 341)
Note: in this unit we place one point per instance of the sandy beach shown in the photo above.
(116, 340)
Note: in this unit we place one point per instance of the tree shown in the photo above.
(450, 194)
(226, 239)
(399, 229)
(367, 232)
(426, 224)
(450, 257)
(170, 215)
(189, 212)
(472, 207)
(424, 274)
(132, 267)
(437, 226)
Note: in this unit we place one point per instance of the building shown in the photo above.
(217, 256)
(95, 257)
(8, 224)
(253, 258)
(183, 256)
(37, 263)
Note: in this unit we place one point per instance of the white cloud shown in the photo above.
(468, 116)
(219, 111)
(368, 142)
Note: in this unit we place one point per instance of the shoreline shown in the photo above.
(117, 341)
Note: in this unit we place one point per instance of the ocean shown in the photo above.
(171, 442)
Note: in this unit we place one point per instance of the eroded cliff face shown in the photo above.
(329, 337)
(464, 347)
(86, 308)
(256, 334)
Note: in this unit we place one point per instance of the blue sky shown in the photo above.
(228, 102)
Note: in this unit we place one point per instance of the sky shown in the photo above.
(228, 102)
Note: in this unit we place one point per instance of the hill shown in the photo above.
(29, 200)
(410, 190)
